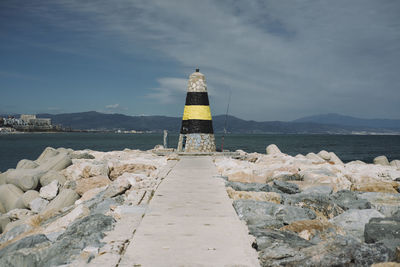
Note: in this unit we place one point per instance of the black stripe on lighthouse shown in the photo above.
(197, 98)
(197, 126)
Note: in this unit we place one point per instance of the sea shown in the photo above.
(14, 147)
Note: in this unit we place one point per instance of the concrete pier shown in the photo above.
(191, 222)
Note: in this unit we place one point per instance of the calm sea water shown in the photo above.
(14, 147)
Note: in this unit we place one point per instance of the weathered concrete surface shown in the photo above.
(191, 222)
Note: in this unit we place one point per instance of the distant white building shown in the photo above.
(27, 118)
(32, 120)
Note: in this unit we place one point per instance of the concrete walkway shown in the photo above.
(191, 222)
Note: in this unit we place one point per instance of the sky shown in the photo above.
(279, 60)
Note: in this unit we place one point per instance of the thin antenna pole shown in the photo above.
(226, 120)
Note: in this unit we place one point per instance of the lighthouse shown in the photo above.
(196, 133)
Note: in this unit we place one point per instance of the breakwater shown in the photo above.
(83, 207)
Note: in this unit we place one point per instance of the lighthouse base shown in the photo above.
(196, 142)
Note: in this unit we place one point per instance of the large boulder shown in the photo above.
(322, 204)
(285, 187)
(119, 185)
(258, 196)
(47, 154)
(26, 164)
(38, 204)
(49, 191)
(65, 198)
(25, 179)
(82, 169)
(27, 197)
(324, 155)
(378, 186)
(387, 204)
(335, 159)
(50, 176)
(37, 250)
(281, 240)
(117, 171)
(349, 200)
(57, 163)
(381, 160)
(341, 251)
(82, 233)
(257, 212)
(9, 195)
(13, 255)
(272, 150)
(383, 229)
(353, 221)
(83, 185)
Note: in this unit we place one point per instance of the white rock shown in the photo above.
(382, 160)
(49, 191)
(324, 155)
(395, 163)
(335, 159)
(315, 158)
(83, 168)
(48, 153)
(273, 149)
(38, 204)
(128, 178)
(26, 164)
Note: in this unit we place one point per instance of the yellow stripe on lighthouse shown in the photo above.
(197, 112)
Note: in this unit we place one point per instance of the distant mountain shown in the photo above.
(338, 119)
(100, 121)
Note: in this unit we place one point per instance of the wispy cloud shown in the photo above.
(112, 106)
(170, 90)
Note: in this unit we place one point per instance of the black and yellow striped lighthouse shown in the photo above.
(197, 133)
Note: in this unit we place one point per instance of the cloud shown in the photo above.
(112, 106)
(170, 90)
(281, 59)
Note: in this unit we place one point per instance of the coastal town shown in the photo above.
(26, 123)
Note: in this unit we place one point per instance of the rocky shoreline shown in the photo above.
(314, 210)
(80, 208)
(75, 207)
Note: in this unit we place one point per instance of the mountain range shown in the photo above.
(318, 124)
